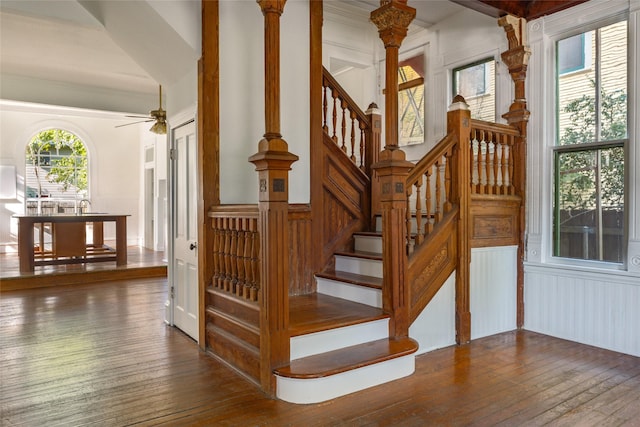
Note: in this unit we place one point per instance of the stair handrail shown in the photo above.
(361, 150)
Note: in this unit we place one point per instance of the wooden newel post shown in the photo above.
(459, 123)
(273, 163)
(392, 19)
(372, 155)
(517, 60)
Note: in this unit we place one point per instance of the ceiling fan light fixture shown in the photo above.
(159, 127)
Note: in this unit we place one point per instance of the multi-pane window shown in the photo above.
(56, 172)
(411, 100)
(476, 83)
(589, 157)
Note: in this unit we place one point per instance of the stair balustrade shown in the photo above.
(236, 248)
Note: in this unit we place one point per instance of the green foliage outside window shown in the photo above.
(62, 156)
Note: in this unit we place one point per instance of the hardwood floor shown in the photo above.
(141, 263)
(100, 354)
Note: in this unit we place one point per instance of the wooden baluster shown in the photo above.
(233, 254)
(334, 118)
(447, 182)
(511, 159)
(438, 204)
(246, 257)
(427, 201)
(353, 138)
(227, 255)
(481, 162)
(505, 166)
(343, 126)
(418, 239)
(324, 107)
(408, 220)
(219, 253)
(255, 260)
(240, 258)
(496, 164)
(363, 137)
(214, 254)
(473, 159)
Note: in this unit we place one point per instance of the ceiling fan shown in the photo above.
(159, 116)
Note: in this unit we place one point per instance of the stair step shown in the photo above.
(317, 312)
(359, 262)
(353, 287)
(355, 279)
(336, 373)
(368, 242)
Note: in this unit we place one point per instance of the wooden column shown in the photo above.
(316, 149)
(273, 163)
(208, 151)
(392, 19)
(459, 123)
(517, 59)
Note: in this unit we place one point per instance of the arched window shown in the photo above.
(56, 172)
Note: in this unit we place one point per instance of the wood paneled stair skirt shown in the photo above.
(340, 340)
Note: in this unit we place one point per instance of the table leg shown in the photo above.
(98, 234)
(121, 240)
(25, 245)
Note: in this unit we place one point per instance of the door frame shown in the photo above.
(181, 119)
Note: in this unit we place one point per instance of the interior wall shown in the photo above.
(114, 161)
(242, 97)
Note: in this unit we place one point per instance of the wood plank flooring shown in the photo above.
(100, 354)
(141, 263)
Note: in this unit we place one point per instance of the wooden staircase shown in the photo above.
(340, 340)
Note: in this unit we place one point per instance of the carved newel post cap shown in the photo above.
(392, 160)
(458, 103)
(373, 109)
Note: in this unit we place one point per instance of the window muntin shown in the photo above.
(589, 157)
(476, 83)
(56, 172)
(411, 100)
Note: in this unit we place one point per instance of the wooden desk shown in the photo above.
(27, 223)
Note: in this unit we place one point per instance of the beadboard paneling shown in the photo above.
(493, 290)
(599, 309)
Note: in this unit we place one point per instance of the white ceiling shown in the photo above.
(114, 54)
(100, 48)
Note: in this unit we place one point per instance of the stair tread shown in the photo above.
(348, 358)
(361, 254)
(317, 312)
(355, 279)
(368, 233)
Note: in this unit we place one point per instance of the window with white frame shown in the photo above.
(476, 83)
(56, 172)
(589, 221)
(411, 100)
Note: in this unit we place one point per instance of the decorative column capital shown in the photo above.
(392, 19)
(271, 6)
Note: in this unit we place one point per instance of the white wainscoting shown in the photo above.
(596, 308)
(493, 293)
(435, 327)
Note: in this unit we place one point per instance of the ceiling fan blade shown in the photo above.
(135, 123)
(140, 117)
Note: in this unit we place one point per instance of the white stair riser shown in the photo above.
(366, 267)
(371, 244)
(348, 291)
(334, 339)
(321, 389)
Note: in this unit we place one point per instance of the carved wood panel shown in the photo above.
(494, 221)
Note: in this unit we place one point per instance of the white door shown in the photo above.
(185, 229)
